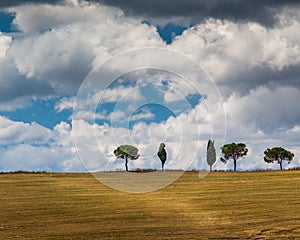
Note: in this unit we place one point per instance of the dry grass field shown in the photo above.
(249, 205)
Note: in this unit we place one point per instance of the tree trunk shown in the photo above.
(126, 164)
(234, 162)
(210, 167)
(280, 163)
(162, 166)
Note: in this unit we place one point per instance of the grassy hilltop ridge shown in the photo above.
(223, 205)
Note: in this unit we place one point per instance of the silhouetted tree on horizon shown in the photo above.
(278, 154)
(233, 152)
(127, 152)
(211, 154)
(162, 154)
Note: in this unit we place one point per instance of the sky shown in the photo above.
(79, 78)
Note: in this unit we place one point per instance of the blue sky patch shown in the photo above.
(169, 31)
(159, 114)
(41, 112)
(6, 20)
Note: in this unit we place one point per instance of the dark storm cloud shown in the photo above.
(14, 90)
(260, 76)
(12, 3)
(262, 11)
(15, 86)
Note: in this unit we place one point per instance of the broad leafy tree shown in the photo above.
(162, 154)
(233, 151)
(210, 154)
(278, 154)
(127, 152)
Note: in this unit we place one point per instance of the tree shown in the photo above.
(278, 154)
(211, 154)
(162, 154)
(127, 152)
(233, 152)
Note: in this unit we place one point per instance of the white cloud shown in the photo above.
(80, 38)
(121, 93)
(39, 158)
(86, 34)
(14, 104)
(99, 156)
(116, 116)
(181, 136)
(16, 90)
(55, 16)
(265, 109)
(5, 42)
(19, 132)
(33, 147)
(236, 53)
(64, 103)
(145, 114)
(88, 115)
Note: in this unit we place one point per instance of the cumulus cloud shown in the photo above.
(229, 51)
(19, 132)
(55, 16)
(16, 89)
(64, 103)
(61, 52)
(32, 147)
(121, 93)
(5, 42)
(145, 114)
(243, 56)
(98, 155)
(185, 137)
(273, 108)
(254, 61)
(39, 158)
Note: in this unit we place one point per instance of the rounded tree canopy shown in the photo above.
(127, 151)
(278, 154)
(234, 150)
